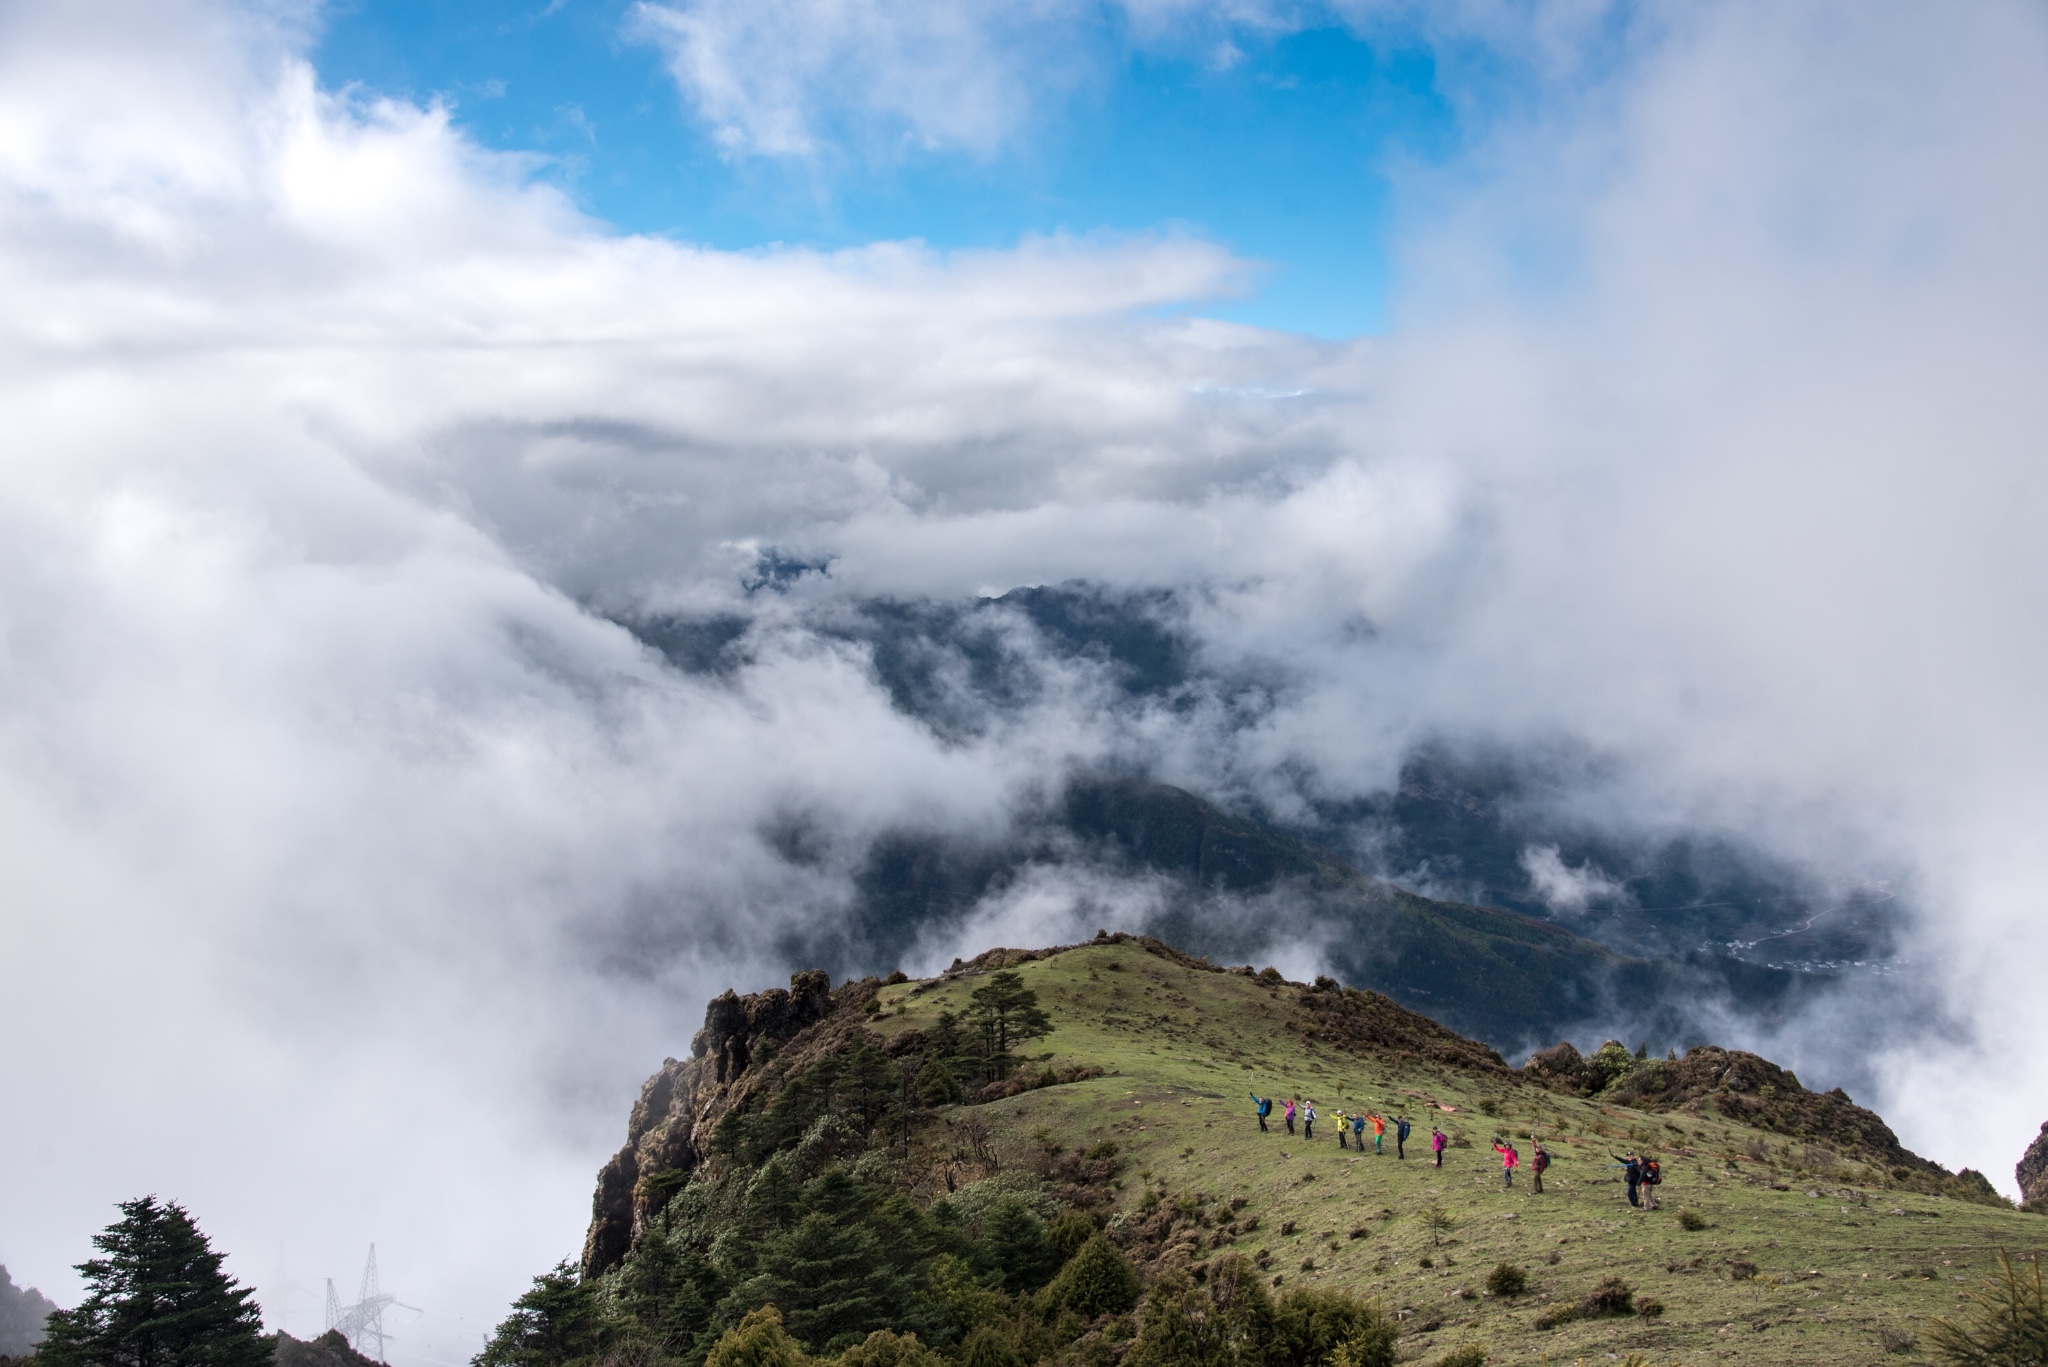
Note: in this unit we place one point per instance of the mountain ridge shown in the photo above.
(827, 1148)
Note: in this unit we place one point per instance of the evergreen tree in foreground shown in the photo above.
(157, 1299)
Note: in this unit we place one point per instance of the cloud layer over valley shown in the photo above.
(360, 860)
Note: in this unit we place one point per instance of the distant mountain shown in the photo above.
(22, 1312)
(1479, 888)
(1500, 975)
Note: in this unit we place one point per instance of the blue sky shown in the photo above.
(1280, 154)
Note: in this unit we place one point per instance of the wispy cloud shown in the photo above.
(348, 839)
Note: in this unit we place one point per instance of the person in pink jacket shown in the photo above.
(1290, 1115)
(1509, 1161)
(1437, 1143)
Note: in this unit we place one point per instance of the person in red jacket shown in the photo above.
(1539, 1162)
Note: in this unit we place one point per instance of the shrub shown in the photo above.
(1507, 1280)
(1649, 1307)
(1069, 1232)
(757, 1341)
(2006, 1323)
(884, 1349)
(989, 1346)
(1692, 1220)
(1312, 1328)
(1893, 1339)
(1471, 1355)
(1741, 1270)
(1097, 1280)
(1611, 1298)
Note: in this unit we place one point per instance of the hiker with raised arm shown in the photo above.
(1631, 1173)
(1509, 1161)
(1539, 1163)
(1263, 1107)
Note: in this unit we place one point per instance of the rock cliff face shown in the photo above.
(680, 1105)
(2032, 1172)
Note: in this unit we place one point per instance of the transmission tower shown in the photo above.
(362, 1324)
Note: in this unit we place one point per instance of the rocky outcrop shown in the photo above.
(679, 1106)
(2032, 1173)
(1747, 1088)
(1564, 1069)
(329, 1350)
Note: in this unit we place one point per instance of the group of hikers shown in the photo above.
(1639, 1171)
(1352, 1127)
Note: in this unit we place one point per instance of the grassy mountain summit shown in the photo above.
(868, 1173)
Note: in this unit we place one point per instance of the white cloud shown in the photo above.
(786, 77)
(1564, 888)
(356, 864)
(869, 79)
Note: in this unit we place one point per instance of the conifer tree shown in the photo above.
(1014, 1245)
(157, 1299)
(1008, 1013)
(556, 1321)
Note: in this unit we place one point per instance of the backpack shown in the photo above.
(1542, 1159)
(1650, 1173)
(1265, 1105)
(1401, 1131)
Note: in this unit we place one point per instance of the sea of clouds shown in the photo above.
(355, 865)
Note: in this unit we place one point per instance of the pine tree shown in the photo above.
(1014, 1244)
(157, 1299)
(865, 1088)
(1008, 1013)
(830, 1278)
(556, 1321)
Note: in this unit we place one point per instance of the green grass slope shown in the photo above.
(1794, 1265)
(1793, 1228)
